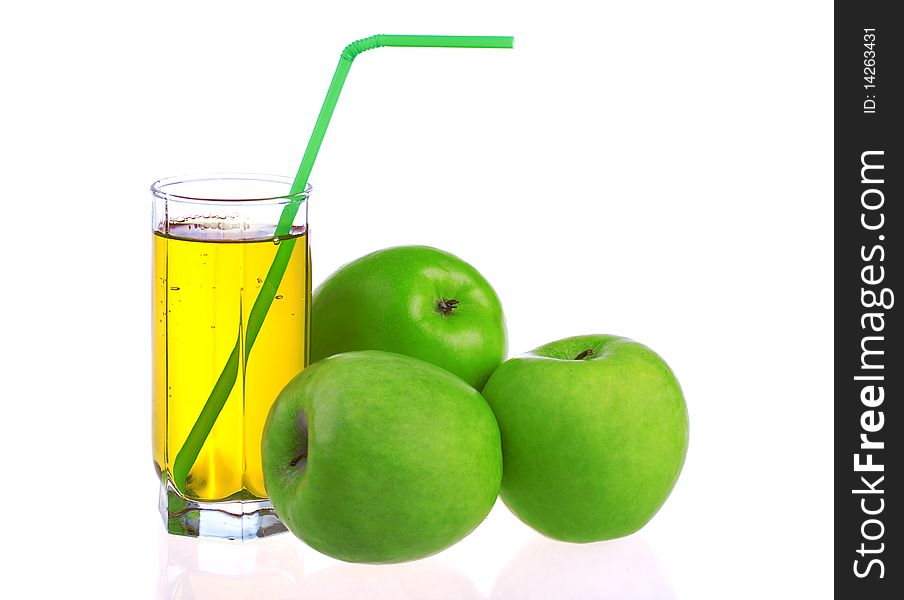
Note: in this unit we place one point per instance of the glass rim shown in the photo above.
(159, 191)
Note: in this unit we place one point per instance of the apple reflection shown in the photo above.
(420, 580)
(272, 569)
(624, 569)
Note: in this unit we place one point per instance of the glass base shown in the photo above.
(231, 520)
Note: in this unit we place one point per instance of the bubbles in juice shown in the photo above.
(207, 274)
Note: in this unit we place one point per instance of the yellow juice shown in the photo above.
(204, 287)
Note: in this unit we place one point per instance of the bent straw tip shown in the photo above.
(427, 41)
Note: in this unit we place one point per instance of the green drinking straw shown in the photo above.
(187, 456)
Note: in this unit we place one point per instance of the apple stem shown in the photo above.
(445, 306)
(584, 354)
(299, 458)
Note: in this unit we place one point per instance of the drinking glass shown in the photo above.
(220, 353)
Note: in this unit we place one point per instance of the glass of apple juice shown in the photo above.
(218, 365)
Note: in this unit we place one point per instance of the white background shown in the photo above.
(659, 170)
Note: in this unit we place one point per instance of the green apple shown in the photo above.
(377, 457)
(594, 434)
(414, 300)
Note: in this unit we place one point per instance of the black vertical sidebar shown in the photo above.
(869, 368)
